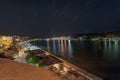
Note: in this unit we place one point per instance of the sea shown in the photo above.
(99, 57)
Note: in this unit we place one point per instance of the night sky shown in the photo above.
(59, 17)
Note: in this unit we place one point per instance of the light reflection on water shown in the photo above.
(48, 45)
(111, 49)
(61, 47)
(54, 46)
(69, 49)
(98, 57)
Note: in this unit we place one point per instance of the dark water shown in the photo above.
(101, 58)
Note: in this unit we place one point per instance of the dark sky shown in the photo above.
(59, 17)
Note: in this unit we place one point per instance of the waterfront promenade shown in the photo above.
(74, 70)
(21, 71)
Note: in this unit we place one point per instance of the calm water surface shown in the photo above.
(101, 58)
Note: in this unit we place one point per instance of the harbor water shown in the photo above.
(99, 57)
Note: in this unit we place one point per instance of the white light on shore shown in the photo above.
(21, 53)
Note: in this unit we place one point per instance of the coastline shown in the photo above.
(83, 73)
(70, 70)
